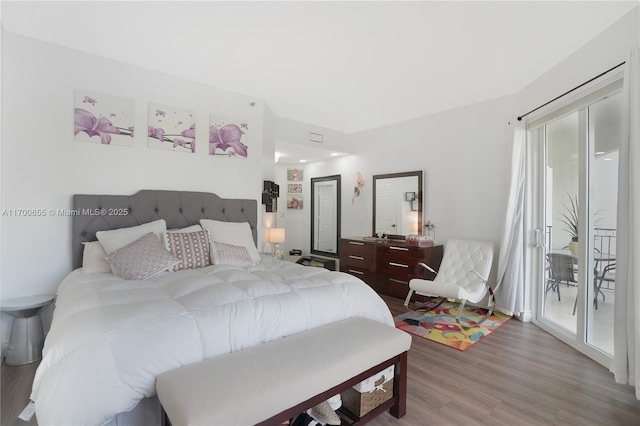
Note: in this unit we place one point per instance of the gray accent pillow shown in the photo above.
(142, 258)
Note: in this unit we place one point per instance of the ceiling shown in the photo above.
(347, 66)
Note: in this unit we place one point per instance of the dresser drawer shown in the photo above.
(392, 286)
(387, 266)
(356, 254)
(356, 261)
(395, 268)
(356, 248)
(407, 255)
(396, 261)
(363, 273)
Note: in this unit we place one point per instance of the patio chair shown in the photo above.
(561, 269)
(607, 274)
(462, 276)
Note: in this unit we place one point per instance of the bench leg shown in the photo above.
(164, 419)
(399, 409)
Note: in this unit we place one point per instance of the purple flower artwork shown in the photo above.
(103, 119)
(172, 129)
(227, 137)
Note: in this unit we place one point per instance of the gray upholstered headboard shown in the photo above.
(95, 213)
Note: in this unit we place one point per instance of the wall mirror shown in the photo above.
(397, 204)
(325, 215)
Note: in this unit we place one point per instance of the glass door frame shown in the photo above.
(534, 218)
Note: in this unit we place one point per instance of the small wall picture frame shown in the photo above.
(294, 188)
(294, 201)
(171, 128)
(294, 175)
(228, 137)
(103, 119)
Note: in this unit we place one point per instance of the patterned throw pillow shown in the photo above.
(142, 258)
(227, 254)
(235, 233)
(191, 248)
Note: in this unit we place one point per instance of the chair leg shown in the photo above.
(554, 286)
(600, 290)
(492, 304)
(460, 309)
(408, 299)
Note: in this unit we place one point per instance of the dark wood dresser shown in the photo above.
(387, 266)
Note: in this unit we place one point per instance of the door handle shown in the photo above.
(538, 238)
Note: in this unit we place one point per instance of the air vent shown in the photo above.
(315, 137)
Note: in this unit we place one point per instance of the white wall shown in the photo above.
(464, 154)
(607, 50)
(297, 132)
(42, 165)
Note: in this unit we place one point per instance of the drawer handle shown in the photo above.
(353, 271)
(356, 257)
(398, 281)
(401, 265)
(356, 243)
(398, 248)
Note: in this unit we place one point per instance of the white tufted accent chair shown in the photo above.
(462, 276)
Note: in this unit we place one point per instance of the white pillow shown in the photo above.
(118, 238)
(234, 233)
(94, 259)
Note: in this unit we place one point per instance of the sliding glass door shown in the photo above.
(573, 205)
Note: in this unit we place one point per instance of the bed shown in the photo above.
(111, 337)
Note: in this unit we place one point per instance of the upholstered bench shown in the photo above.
(272, 382)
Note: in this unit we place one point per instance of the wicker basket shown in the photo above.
(361, 403)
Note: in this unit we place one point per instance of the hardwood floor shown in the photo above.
(16, 387)
(519, 375)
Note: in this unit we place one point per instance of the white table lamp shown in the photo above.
(276, 236)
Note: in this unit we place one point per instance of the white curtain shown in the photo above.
(510, 288)
(626, 358)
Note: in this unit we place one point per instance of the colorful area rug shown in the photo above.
(439, 325)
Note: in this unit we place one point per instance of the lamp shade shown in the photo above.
(276, 235)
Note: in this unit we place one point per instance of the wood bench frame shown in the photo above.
(397, 405)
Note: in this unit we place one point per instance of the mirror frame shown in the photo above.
(418, 174)
(337, 179)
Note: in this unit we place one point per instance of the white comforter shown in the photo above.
(110, 338)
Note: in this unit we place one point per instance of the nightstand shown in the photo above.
(27, 339)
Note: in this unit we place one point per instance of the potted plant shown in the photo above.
(570, 219)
